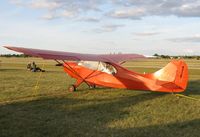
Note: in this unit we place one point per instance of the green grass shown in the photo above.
(52, 111)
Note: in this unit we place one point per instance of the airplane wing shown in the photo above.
(59, 55)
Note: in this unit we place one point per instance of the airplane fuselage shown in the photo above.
(126, 79)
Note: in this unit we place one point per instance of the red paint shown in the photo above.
(172, 78)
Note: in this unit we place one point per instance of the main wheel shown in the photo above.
(92, 86)
(72, 88)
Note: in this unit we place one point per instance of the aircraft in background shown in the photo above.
(105, 70)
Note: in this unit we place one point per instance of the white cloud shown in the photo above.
(45, 4)
(108, 28)
(16, 2)
(49, 16)
(146, 33)
(90, 19)
(126, 9)
(61, 8)
(189, 51)
(193, 39)
(68, 14)
(133, 13)
(180, 8)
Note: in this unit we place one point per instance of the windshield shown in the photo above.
(100, 66)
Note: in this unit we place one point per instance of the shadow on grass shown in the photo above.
(193, 88)
(179, 129)
(64, 116)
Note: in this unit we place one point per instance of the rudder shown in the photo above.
(174, 76)
(181, 79)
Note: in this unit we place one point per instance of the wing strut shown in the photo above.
(58, 63)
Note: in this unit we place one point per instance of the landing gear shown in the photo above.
(79, 79)
(72, 88)
(92, 86)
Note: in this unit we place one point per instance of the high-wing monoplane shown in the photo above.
(105, 70)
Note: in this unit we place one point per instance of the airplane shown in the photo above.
(106, 70)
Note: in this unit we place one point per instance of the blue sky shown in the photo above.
(102, 26)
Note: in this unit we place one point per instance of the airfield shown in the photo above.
(39, 104)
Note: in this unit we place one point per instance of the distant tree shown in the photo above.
(165, 56)
(156, 55)
(15, 55)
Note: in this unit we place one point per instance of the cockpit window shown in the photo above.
(100, 66)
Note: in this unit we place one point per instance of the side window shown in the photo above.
(89, 64)
(107, 68)
(100, 66)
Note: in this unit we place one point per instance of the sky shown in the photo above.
(170, 27)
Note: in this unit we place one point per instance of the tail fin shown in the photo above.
(174, 76)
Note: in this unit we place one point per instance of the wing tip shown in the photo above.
(7, 46)
(17, 49)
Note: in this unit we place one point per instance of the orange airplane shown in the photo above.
(105, 70)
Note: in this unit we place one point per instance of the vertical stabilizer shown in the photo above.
(174, 76)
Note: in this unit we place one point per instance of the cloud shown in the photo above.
(68, 14)
(61, 8)
(189, 51)
(126, 9)
(49, 17)
(134, 9)
(193, 39)
(132, 13)
(16, 2)
(45, 4)
(108, 28)
(146, 33)
(55, 15)
(89, 19)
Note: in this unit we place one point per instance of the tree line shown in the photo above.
(155, 55)
(176, 57)
(15, 55)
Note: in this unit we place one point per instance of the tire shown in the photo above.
(72, 88)
(92, 86)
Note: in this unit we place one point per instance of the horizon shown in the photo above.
(102, 27)
(153, 55)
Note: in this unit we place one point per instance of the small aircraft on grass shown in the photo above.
(105, 70)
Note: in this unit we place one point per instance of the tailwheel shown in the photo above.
(72, 88)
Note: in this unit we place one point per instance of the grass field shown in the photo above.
(54, 112)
